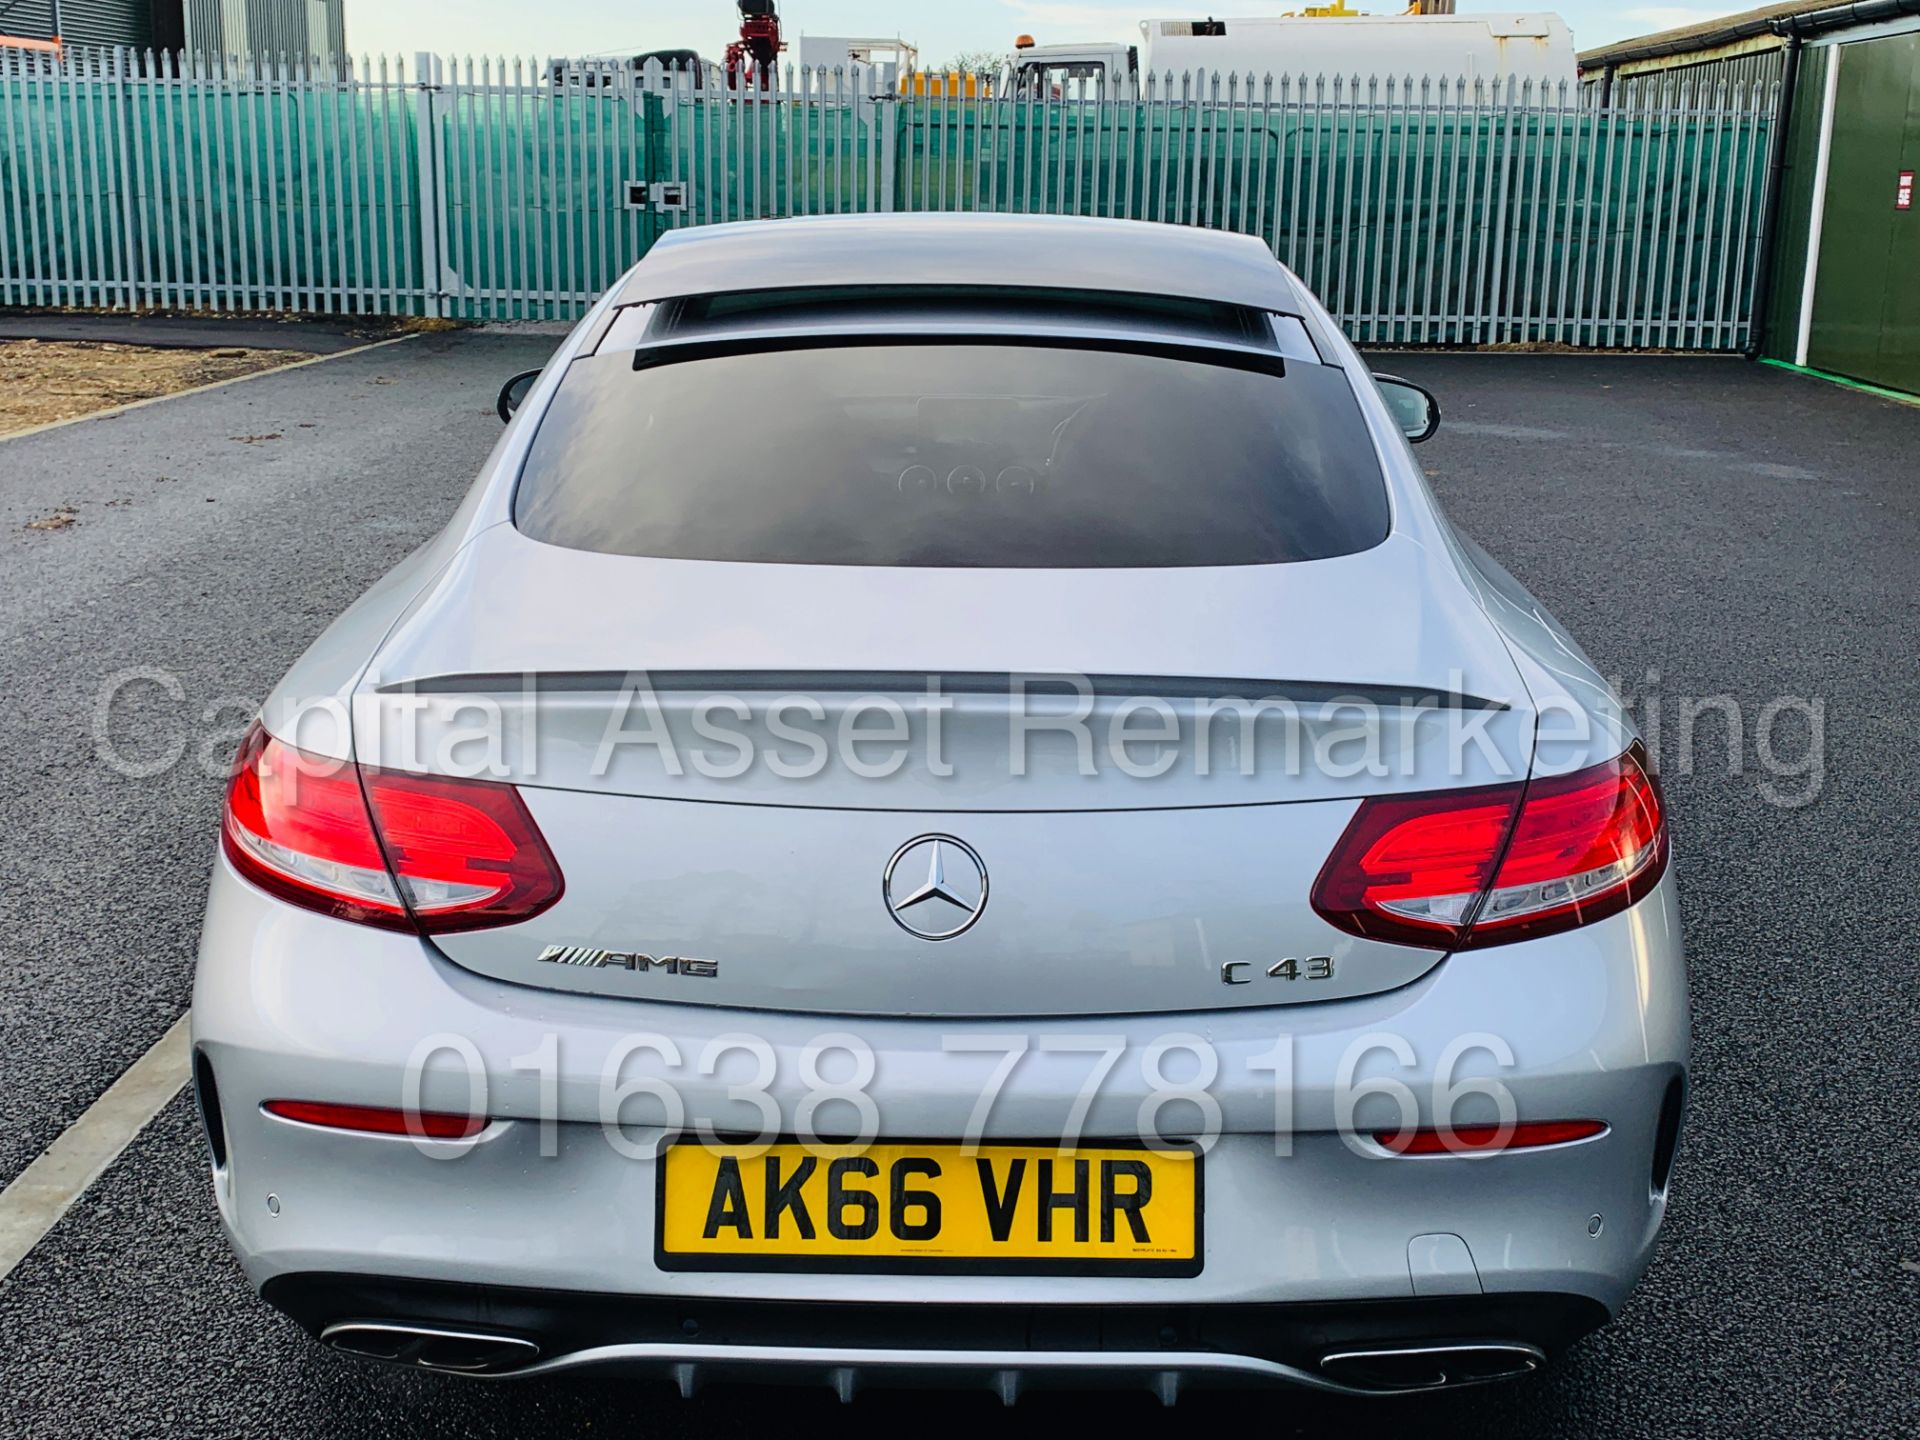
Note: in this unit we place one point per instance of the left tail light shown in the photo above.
(383, 847)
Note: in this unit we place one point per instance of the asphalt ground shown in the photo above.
(1706, 527)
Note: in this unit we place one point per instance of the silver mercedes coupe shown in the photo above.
(948, 809)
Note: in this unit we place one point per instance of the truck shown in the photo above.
(1534, 46)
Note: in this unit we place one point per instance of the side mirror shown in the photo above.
(1414, 407)
(514, 393)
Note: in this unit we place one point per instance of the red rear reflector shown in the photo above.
(382, 847)
(1480, 1139)
(1509, 861)
(377, 1120)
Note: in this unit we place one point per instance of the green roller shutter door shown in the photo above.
(1866, 311)
(1900, 332)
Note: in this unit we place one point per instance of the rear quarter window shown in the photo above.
(958, 455)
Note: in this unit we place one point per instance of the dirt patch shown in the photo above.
(43, 380)
(426, 325)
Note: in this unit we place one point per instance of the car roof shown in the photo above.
(1000, 251)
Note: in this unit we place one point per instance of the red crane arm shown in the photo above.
(750, 59)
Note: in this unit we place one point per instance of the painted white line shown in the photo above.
(33, 1204)
(113, 410)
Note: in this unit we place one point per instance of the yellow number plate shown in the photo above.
(912, 1207)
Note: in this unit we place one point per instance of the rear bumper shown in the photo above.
(1005, 1348)
(294, 1005)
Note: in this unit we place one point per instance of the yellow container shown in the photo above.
(938, 85)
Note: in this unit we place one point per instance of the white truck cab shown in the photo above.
(1062, 71)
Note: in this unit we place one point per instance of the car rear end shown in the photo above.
(946, 834)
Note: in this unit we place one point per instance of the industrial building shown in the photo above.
(1842, 238)
(1736, 49)
(315, 28)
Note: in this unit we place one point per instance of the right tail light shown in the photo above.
(1486, 866)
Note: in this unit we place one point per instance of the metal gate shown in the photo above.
(1440, 214)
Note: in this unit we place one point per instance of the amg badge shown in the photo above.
(588, 957)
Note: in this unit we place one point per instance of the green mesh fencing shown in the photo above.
(1421, 214)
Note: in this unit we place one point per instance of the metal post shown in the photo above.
(885, 130)
(1823, 155)
(431, 212)
(123, 192)
(1499, 302)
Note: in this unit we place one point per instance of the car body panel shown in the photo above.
(1106, 915)
(291, 1003)
(1090, 913)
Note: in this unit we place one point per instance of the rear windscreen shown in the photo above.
(953, 455)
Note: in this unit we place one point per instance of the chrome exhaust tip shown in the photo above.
(430, 1347)
(1409, 1368)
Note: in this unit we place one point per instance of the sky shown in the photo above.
(941, 28)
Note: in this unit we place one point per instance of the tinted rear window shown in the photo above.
(954, 455)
